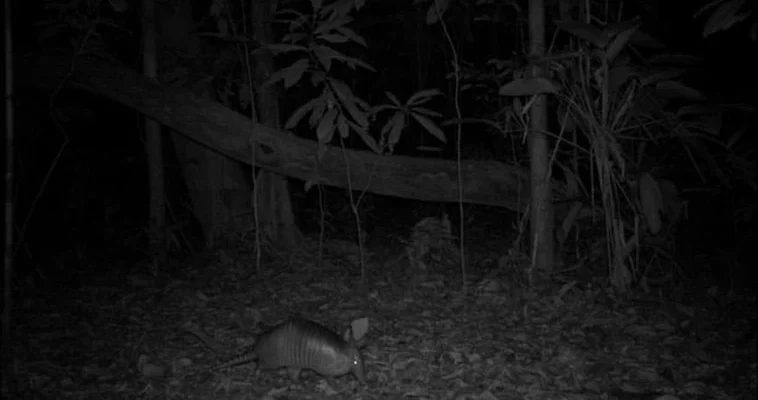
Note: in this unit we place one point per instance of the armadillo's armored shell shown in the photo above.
(245, 356)
(299, 343)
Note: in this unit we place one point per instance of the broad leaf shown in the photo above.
(349, 33)
(119, 5)
(396, 126)
(430, 127)
(325, 129)
(325, 54)
(294, 37)
(320, 109)
(290, 74)
(724, 17)
(317, 78)
(370, 142)
(393, 99)
(422, 96)
(324, 27)
(661, 76)
(619, 42)
(343, 127)
(709, 6)
(334, 38)
(377, 109)
(279, 48)
(348, 100)
(678, 90)
(301, 112)
(426, 112)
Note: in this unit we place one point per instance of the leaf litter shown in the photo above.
(496, 339)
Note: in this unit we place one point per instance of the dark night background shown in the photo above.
(81, 176)
(93, 203)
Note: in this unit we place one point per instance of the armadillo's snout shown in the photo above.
(357, 370)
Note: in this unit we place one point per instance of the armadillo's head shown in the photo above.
(354, 354)
(356, 363)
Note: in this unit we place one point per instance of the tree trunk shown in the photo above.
(156, 230)
(539, 155)
(275, 216)
(218, 189)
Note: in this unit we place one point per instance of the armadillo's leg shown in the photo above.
(294, 373)
(330, 380)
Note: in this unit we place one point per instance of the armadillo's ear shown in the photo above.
(360, 328)
(349, 337)
(356, 333)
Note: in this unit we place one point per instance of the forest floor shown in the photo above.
(123, 335)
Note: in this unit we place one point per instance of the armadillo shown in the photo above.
(301, 344)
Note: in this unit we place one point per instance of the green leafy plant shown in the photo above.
(313, 40)
(401, 113)
(726, 14)
(632, 119)
(623, 121)
(87, 19)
